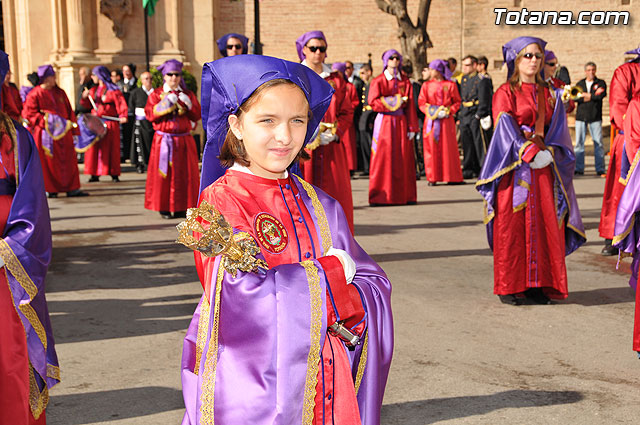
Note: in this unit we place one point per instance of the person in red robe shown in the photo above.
(349, 138)
(173, 177)
(28, 361)
(624, 87)
(103, 157)
(12, 102)
(549, 69)
(439, 99)
(328, 168)
(392, 175)
(53, 124)
(527, 165)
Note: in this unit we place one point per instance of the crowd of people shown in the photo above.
(295, 319)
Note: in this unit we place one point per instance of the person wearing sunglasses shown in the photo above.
(172, 176)
(233, 44)
(392, 176)
(530, 158)
(439, 99)
(549, 71)
(328, 167)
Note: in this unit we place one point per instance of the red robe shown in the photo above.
(623, 88)
(11, 101)
(350, 136)
(240, 198)
(559, 84)
(441, 157)
(178, 190)
(528, 242)
(14, 360)
(103, 158)
(328, 167)
(392, 173)
(59, 168)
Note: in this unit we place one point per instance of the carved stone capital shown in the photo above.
(116, 10)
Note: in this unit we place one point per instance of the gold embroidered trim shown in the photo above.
(313, 360)
(396, 106)
(166, 111)
(203, 331)
(67, 127)
(14, 266)
(634, 164)
(321, 216)
(37, 400)
(211, 361)
(53, 372)
(618, 238)
(363, 361)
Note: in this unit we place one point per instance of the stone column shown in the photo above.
(78, 41)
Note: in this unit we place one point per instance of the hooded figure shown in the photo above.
(223, 43)
(296, 231)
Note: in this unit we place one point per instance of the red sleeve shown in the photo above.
(530, 152)
(121, 104)
(31, 110)
(632, 129)
(375, 94)
(86, 103)
(194, 113)
(410, 108)
(422, 98)
(341, 296)
(8, 104)
(502, 102)
(152, 100)
(619, 95)
(455, 99)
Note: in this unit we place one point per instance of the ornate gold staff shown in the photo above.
(238, 250)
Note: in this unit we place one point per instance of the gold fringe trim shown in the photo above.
(14, 266)
(211, 363)
(203, 331)
(363, 362)
(619, 238)
(321, 216)
(68, 126)
(313, 359)
(396, 106)
(53, 372)
(166, 111)
(634, 164)
(37, 400)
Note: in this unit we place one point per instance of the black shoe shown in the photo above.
(180, 214)
(608, 249)
(537, 296)
(578, 173)
(115, 179)
(456, 183)
(412, 203)
(52, 195)
(76, 192)
(511, 299)
(165, 214)
(140, 169)
(431, 183)
(93, 179)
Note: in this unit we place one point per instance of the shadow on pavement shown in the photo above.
(602, 296)
(375, 229)
(91, 320)
(105, 406)
(441, 409)
(425, 255)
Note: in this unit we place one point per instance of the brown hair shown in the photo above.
(514, 81)
(232, 149)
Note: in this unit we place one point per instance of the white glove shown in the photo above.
(541, 160)
(485, 122)
(347, 262)
(411, 135)
(327, 137)
(172, 98)
(442, 114)
(185, 99)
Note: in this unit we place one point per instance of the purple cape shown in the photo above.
(26, 250)
(503, 156)
(255, 365)
(222, 43)
(228, 82)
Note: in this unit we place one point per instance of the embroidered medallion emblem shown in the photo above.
(271, 233)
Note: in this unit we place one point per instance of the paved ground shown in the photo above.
(121, 294)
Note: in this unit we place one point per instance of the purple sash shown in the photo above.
(55, 128)
(92, 129)
(389, 102)
(166, 151)
(433, 124)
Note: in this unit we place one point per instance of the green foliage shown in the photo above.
(157, 80)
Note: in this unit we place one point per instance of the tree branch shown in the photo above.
(385, 7)
(423, 12)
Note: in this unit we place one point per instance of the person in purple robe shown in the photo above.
(28, 361)
(295, 323)
(233, 44)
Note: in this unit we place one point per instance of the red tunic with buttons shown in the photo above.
(350, 136)
(624, 87)
(242, 198)
(328, 168)
(178, 189)
(59, 167)
(528, 241)
(103, 158)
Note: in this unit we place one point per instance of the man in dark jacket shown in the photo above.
(142, 129)
(589, 114)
